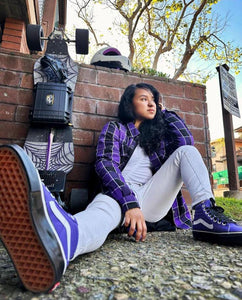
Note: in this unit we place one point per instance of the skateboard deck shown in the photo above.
(50, 145)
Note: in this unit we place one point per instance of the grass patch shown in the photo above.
(232, 207)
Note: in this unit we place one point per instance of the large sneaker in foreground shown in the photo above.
(211, 225)
(39, 236)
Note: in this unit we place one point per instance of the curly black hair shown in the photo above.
(151, 131)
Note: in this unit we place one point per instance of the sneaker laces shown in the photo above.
(216, 213)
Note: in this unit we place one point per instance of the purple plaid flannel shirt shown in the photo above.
(116, 145)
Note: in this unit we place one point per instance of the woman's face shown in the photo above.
(144, 106)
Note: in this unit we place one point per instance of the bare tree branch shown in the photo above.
(83, 14)
(172, 34)
(189, 51)
(179, 25)
(132, 21)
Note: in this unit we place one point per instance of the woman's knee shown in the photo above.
(188, 149)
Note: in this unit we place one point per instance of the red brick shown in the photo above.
(16, 63)
(16, 96)
(195, 92)
(107, 108)
(11, 130)
(14, 26)
(87, 75)
(171, 103)
(201, 147)
(192, 106)
(9, 78)
(198, 134)
(14, 23)
(11, 38)
(96, 137)
(8, 95)
(96, 92)
(12, 32)
(167, 88)
(84, 154)
(112, 79)
(22, 114)
(14, 36)
(7, 112)
(79, 171)
(181, 115)
(10, 46)
(81, 137)
(184, 105)
(195, 120)
(26, 65)
(84, 105)
(91, 122)
(27, 81)
(25, 97)
(128, 79)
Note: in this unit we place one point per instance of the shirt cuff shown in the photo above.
(126, 206)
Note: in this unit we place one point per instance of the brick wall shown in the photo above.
(14, 36)
(97, 95)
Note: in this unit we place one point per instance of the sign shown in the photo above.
(228, 91)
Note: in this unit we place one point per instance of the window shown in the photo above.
(213, 151)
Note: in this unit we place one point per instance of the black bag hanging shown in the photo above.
(54, 69)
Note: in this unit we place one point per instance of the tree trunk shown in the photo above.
(186, 58)
(157, 56)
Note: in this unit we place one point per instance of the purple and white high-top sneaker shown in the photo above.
(211, 225)
(39, 235)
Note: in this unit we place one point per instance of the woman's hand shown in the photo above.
(135, 220)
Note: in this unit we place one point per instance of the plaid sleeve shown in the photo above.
(179, 128)
(107, 167)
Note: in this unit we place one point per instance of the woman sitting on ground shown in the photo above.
(142, 160)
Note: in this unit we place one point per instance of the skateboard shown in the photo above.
(49, 140)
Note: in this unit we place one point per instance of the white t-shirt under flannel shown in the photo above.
(138, 168)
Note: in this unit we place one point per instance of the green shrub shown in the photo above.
(150, 71)
(232, 207)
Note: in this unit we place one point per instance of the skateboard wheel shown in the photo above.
(34, 33)
(82, 41)
(78, 200)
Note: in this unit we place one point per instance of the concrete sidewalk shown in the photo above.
(169, 265)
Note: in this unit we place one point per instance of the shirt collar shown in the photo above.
(132, 129)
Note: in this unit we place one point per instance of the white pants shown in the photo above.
(156, 197)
